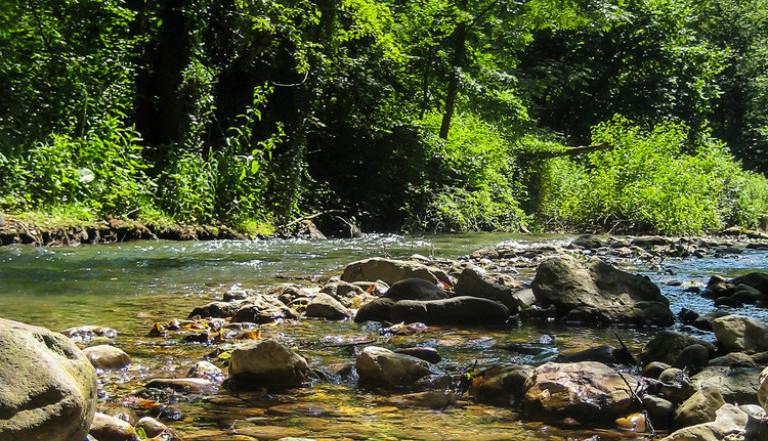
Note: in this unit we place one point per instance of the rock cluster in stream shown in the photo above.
(692, 388)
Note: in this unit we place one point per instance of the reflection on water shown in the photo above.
(130, 286)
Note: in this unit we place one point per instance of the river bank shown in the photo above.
(45, 230)
(67, 232)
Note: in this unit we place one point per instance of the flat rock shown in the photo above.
(735, 385)
(455, 310)
(263, 309)
(216, 309)
(390, 271)
(730, 421)
(185, 385)
(586, 391)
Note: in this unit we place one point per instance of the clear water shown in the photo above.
(130, 286)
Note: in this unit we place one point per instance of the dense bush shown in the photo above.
(471, 186)
(654, 180)
(102, 171)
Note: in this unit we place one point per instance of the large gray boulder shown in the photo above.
(390, 271)
(47, 385)
(586, 391)
(267, 362)
(595, 292)
(382, 367)
(737, 333)
(456, 310)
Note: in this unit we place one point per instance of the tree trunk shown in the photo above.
(459, 61)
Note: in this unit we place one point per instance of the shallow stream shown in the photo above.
(131, 286)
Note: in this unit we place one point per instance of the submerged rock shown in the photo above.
(48, 388)
(382, 367)
(586, 391)
(107, 428)
(597, 293)
(267, 363)
(85, 334)
(151, 426)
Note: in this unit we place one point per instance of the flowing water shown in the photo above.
(131, 286)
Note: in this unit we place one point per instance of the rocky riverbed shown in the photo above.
(510, 342)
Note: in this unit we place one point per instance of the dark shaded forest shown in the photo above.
(403, 116)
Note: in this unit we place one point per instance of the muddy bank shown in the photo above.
(15, 231)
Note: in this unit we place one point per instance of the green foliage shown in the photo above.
(102, 171)
(647, 182)
(258, 110)
(471, 186)
(64, 67)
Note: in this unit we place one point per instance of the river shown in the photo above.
(130, 286)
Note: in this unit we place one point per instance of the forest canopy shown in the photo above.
(426, 115)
